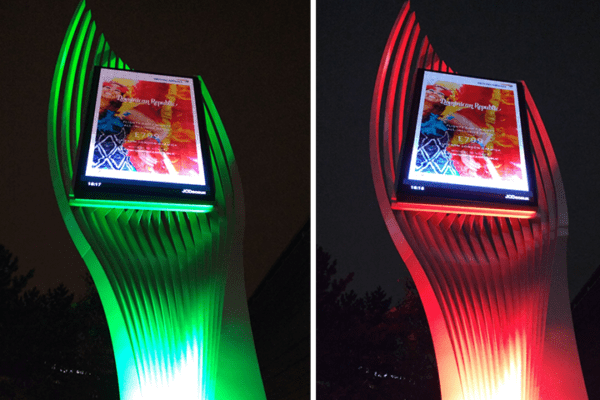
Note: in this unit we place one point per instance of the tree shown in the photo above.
(51, 347)
(365, 349)
(94, 344)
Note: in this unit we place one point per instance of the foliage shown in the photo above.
(367, 350)
(51, 347)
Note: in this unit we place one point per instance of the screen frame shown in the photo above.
(97, 191)
(419, 195)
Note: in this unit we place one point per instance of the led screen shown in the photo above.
(145, 139)
(467, 147)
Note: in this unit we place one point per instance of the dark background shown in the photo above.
(551, 45)
(254, 57)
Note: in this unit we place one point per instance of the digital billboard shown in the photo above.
(145, 140)
(467, 148)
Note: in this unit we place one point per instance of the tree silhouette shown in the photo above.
(51, 347)
(365, 349)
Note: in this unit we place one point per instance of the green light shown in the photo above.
(169, 275)
(140, 205)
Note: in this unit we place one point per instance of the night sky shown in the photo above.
(553, 46)
(255, 60)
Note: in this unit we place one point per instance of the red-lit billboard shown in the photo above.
(467, 147)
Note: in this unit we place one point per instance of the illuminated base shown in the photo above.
(489, 285)
(163, 278)
(493, 286)
(162, 294)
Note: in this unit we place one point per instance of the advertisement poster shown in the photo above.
(145, 128)
(468, 132)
